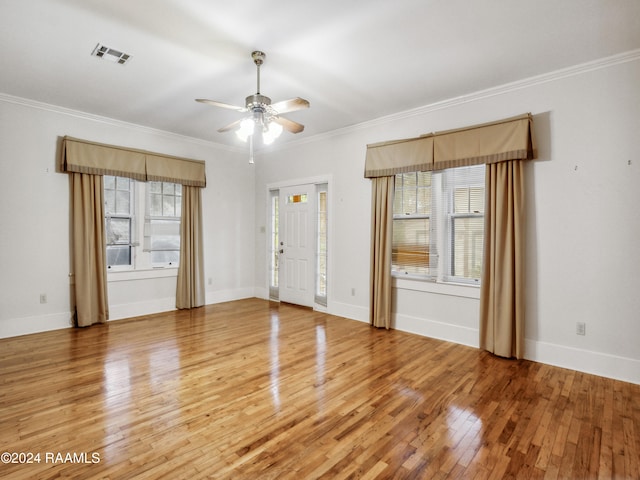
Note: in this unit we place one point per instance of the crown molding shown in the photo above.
(626, 57)
(26, 102)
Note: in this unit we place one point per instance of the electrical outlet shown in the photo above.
(353, 292)
(580, 328)
(43, 298)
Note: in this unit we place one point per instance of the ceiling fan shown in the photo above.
(263, 115)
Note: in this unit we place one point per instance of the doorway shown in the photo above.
(298, 245)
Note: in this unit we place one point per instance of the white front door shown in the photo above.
(297, 247)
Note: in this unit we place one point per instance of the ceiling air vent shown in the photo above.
(110, 54)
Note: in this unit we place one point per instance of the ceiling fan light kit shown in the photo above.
(263, 117)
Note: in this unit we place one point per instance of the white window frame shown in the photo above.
(149, 219)
(141, 266)
(448, 227)
(433, 244)
(273, 243)
(321, 257)
(132, 227)
(441, 238)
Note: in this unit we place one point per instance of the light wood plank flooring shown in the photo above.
(256, 390)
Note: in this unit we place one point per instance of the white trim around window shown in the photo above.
(453, 289)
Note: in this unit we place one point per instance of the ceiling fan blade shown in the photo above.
(290, 105)
(220, 104)
(289, 125)
(231, 126)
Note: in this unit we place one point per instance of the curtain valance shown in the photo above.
(93, 158)
(499, 141)
(400, 156)
(162, 168)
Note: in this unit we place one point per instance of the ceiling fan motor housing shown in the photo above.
(259, 106)
(257, 101)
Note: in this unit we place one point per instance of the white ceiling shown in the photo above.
(354, 60)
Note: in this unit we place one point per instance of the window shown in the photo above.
(160, 205)
(162, 236)
(321, 245)
(438, 224)
(464, 188)
(118, 199)
(412, 240)
(301, 198)
(274, 245)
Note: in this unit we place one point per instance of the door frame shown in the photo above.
(317, 180)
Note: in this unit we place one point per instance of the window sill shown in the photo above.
(127, 275)
(453, 289)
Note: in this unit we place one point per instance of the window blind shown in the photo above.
(412, 241)
(463, 199)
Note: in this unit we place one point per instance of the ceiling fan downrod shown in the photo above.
(258, 59)
(258, 103)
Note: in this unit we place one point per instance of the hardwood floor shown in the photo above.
(256, 390)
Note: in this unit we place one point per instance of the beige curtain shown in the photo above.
(190, 286)
(88, 249)
(502, 145)
(381, 228)
(502, 288)
(94, 159)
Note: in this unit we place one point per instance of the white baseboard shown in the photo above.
(14, 327)
(43, 323)
(409, 324)
(586, 361)
(261, 292)
(118, 312)
(433, 329)
(128, 310)
(346, 310)
(221, 296)
(595, 363)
